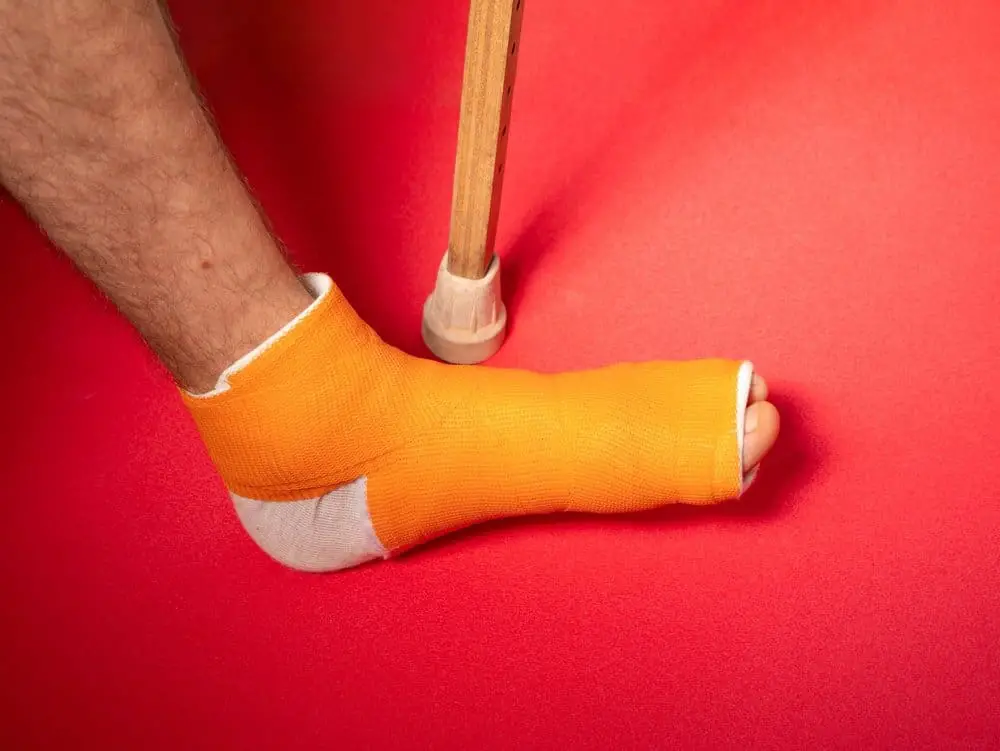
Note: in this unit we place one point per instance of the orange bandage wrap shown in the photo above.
(442, 447)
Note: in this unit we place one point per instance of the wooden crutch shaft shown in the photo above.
(487, 89)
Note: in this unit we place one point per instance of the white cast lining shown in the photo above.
(318, 286)
(318, 535)
(743, 384)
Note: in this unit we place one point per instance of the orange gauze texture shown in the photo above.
(443, 447)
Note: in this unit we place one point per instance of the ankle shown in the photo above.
(240, 323)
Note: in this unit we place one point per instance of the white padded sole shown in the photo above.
(322, 534)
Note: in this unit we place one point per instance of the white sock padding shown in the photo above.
(317, 285)
(329, 533)
(744, 383)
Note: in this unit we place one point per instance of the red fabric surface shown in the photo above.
(813, 185)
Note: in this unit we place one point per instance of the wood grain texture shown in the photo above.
(487, 90)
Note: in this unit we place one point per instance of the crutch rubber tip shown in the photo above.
(465, 320)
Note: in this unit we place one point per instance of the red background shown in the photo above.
(813, 185)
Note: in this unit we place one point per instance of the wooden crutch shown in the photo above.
(464, 318)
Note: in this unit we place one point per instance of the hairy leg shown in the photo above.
(103, 139)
